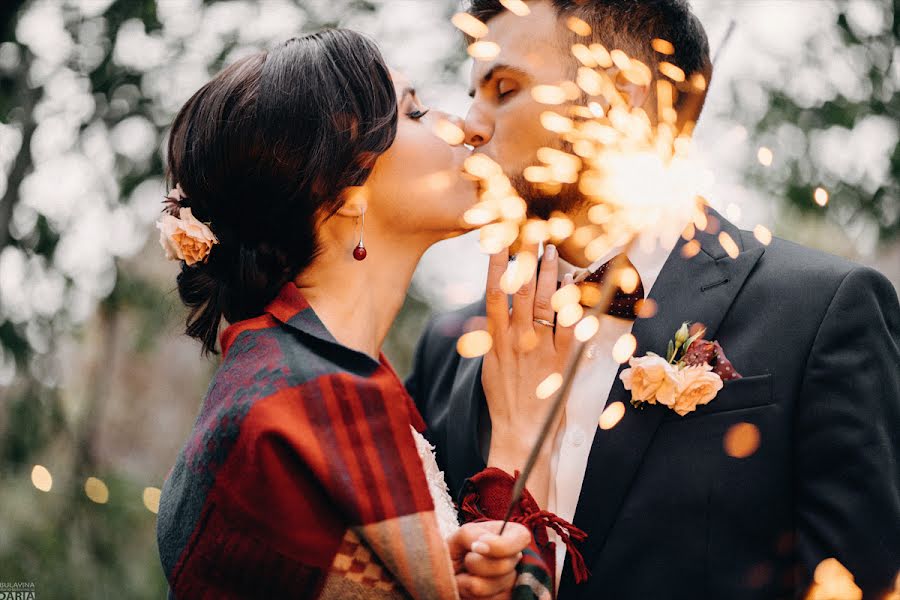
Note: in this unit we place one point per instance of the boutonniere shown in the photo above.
(691, 373)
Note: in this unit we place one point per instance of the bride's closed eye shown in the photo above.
(417, 113)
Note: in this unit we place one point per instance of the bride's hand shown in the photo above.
(484, 562)
(526, 350)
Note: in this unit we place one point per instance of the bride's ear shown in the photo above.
(356, 201)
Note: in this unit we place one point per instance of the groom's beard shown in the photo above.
(541, 204)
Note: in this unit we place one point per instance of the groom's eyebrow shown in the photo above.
(493, 71)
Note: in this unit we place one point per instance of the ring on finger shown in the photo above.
(543, 322)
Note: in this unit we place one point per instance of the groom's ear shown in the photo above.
(356, 201)
(635, 94)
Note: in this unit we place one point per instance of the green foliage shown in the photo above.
(851, 202)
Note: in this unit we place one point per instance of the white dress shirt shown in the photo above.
(588, 395)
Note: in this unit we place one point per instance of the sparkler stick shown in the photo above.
(606, 294)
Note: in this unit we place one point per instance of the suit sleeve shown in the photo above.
(848, 436)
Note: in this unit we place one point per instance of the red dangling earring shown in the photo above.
(359, 253)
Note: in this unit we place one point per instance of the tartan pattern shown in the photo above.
(298, 441)
(301, 477)
(355, 561)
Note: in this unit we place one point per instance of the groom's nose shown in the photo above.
(479, 126)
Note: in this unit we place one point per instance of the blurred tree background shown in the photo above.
(96, 380)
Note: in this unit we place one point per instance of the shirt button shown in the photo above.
(576, 438)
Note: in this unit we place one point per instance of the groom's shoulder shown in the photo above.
(795, 269)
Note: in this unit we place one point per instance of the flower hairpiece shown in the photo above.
(181, 234)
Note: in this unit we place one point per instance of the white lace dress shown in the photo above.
(437, 486)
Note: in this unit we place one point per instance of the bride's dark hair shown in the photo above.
(263, 151)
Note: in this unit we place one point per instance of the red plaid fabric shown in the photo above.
(301, 477)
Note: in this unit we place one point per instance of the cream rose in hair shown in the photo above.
(649, 377)
(184, 237)
(696, 385)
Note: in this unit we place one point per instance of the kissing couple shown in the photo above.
(307, 182)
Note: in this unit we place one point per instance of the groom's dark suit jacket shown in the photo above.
(668, 512)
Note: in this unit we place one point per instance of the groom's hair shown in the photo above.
(630, 25)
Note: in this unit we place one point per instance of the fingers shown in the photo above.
(485, 588)
(546, 285)
(523, 300)
(564, 337)
(497, 306)
(482, 566)
(515, 538)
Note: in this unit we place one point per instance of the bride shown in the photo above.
(309, 184)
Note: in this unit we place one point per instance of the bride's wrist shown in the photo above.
(509, 449)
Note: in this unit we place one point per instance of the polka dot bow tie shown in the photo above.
(622, 305)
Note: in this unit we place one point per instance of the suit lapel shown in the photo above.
(699, 289)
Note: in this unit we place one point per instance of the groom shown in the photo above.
(670, 509)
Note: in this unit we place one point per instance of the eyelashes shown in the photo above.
(417, 114)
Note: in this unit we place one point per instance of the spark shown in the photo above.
(41, 478)
(474, 344)
(578, 27)
(480, 214)
(765, 156)
(555, 122)
(569, 314)
(481, 166)
(671, 71)
(483, 50)
(646, 308)
(620, 59)
(517, 7)
(728, 243)
(150, 498)
(821, 196)
(624, 348)
(548, 386)
(548, 94)
(761, 233)
(628, 280)
(535, 231)
(518, 272)
(96, 490)
(611, 415)
(662, 46)
(469, 25)
(690, 249)
(741, 440)
(601, 55)
(584, 55)
(449, 132)
(560, 227)
(832, 581)
(587, 328)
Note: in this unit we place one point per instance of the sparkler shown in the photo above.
(639, 175)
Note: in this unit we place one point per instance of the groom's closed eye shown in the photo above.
(506, 88)
(502, 82)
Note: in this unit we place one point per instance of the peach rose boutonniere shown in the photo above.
(691, 374)
(181, 234)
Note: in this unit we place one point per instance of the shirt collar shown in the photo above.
(647, 254)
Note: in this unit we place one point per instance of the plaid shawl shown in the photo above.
(301, 477)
